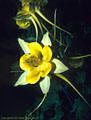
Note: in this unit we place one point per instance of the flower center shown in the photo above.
(33, 61)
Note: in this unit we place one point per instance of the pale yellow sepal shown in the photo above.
(60, 67)
(45, 85)
(46, 40)
(23, 45)
(22, 79)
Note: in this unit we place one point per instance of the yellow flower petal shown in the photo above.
(23, 24)
(35, 49)
(26, 8)
(24, 64)
(25, 2)
(47, 53)
(45, 68)
(33, 76)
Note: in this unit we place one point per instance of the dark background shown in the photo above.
(73, 15)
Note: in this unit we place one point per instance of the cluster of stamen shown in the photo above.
(33, 61)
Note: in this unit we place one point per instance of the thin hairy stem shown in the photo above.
(38, 106)
(38, 22)
(36, 28)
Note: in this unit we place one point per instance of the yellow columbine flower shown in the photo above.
(37, 62)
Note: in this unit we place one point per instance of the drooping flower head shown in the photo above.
(27, 15)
